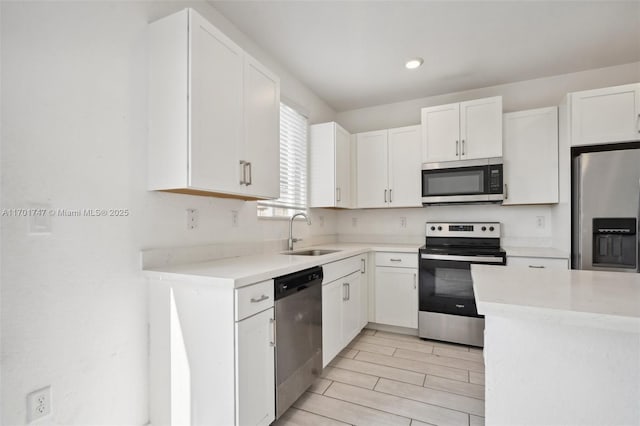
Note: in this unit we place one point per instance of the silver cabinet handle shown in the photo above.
(250, 179)
(536, 266)
(395, 260)
(243, 173)
(363, 266)
(462, 146)
(338, 194)
(348, 291)
(385, 195)
(263, 297)
(639, 123)
(457, 150)
(506, 191)
(390, 198)
(415, 281)
(344, 292)
(272, 332)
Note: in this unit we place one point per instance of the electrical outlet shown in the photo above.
(403, 222)
(192, 219)
(354, 221)
(38, 404)
(234, 218)
(540, 222)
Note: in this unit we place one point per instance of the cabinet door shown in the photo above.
(332, 294)
(531, 156)
(481, 128)
(261, 130)
(343, 167)
(441, 133)
(350, 307)
(605, 115)
(215, 110)
(404, 167)
(397, 296)
(372, 169)
(255, 371)
(364, 290)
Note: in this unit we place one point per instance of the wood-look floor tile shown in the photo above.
(452, 353)
(415, 422)
(476, 350)
(418, 366)
(350, 377)
(368, 332)
(476, 421)
(347, 412)
(397, 405)
(455, 386)
(408, 338)
(296, 417)
(388, 372)
(319, 385)
(440, 360)
(369, 347)
(348, 353)
(403, 344)
(432, 396)
(476, 377)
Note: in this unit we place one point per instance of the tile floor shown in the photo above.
(385, 378)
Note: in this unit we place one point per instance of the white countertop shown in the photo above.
(244, 270)
(546, 252)
(609, 300)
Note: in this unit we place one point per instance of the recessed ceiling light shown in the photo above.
(414, 63)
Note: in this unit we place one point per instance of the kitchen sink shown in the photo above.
(310, 252)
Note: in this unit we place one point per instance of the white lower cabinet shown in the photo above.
(539, 262)
(341, 306)
(255, 390)
(396, 289)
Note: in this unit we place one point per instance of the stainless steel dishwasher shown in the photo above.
(298, 312)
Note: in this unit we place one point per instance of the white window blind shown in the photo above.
(293, 166)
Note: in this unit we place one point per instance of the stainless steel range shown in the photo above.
(447, 309)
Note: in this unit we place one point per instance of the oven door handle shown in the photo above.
(475, 259)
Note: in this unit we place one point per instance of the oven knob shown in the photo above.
(433, 228)
(439, 228)
(484, 228)
(491, 228)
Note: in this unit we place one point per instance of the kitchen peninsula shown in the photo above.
(561, 346)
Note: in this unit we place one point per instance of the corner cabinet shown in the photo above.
(607, 115)
(388, 168)
(214, 113)
(462, 131)
(530, 156)
(329, 166)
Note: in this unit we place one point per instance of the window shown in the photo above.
(293, 166)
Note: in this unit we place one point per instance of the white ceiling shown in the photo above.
(352, 53)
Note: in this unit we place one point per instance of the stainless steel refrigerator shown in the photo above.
(606, 206)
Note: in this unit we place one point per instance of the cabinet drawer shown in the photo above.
(539, 262)
(400, 260)
(253, 299)
(334, 270)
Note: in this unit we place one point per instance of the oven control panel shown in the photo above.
(464, 230)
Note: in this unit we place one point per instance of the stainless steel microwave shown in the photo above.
(467, 181)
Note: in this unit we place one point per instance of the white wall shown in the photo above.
(74, 303)
(519, 221)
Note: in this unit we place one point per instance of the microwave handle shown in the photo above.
(506, 191)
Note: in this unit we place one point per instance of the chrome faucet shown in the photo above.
(291, 239)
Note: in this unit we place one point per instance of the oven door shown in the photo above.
(445, 283)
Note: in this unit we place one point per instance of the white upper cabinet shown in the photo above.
(372, 169)
(388, 168)
(330, 166)
(605, 115)
(213, 113)
(462, 131)
(531, 157)
(404, 167)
